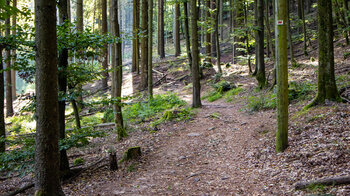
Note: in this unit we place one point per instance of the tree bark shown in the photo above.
(196, 100)
(247, 36)
(105, 48)
(291, 50)
(118, 75)
(218, 57)
(213, 36)
(135, 40)
(62, 87)
(208, 36)
(177, 30)
(161, 42)
(144, 44)
(187, 34)
(282, 76)
(326, 85)
(47, 180)
(259, 51)
(9, 106)
(2, 115)
(150, 47)
(13, 72)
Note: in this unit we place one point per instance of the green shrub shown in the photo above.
(231, 93)
(300, 90)
(142, 111)
(263, 102)
(78, 161)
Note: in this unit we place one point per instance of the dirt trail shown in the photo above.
(207, 156)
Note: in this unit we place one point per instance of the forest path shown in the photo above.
(210, 155)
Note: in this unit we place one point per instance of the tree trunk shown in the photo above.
(150, 47)
(105, 48)
(62, 87)
(247, 37)
(282, 76)
(213, 36)
(144, 44)
(80, 28)
(2, 116)
(47, 180)
(177, 30)
(218, 58)
(187, 34)
(291, 50)
(221, 15)
(304, 26)
(196, 98)
(161, 43)
(9, 107)
(118, 75)
(326, 85)
(259, 42)
(135, 40)
(13, 72)
(208, 36)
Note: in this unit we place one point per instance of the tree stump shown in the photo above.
(113, 164)
(132, 153)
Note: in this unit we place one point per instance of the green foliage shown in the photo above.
(262, 102)
(221, 88)
(215, 115)
(177, 113)
(231, 93)
(142, 111)
(300, 90)
(78, 161)
(80, 137)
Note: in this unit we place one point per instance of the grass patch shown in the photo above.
(229, 95)
(262, 102)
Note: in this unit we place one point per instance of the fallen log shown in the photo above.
(326, 182)
(28, 186)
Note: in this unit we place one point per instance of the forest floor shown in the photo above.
(224, 149)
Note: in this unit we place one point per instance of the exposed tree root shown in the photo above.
(325, 182)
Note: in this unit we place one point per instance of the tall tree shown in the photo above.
(62, 87)
(218, 56)
(2, 117)
(213, 35)
(150, 47)
(177, 30)
(80, 28)
(105, 48)
(118, 74)
(13, 72)
(135, 40)
(161, 41)
(9, 106)
(208, 36)
(282, 75)
(291, 50)
(326, 85)
(196, 97)
(187, 34)
(144, 44)
(259, 44)
(221, 18)
(47, 178)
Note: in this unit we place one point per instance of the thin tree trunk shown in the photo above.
(47, 178)
(260, 63)
(247, 37)
(150, 47)
(105, 48)
(282, 76)
(187, 34)
(196, 98)
(80, 28)
(213, 36)
(161, 42)
(218, 58)
(135, 41)
(208, 36)
(76, 113)
(62, 87)
(291, 51)
(2, 115)
(9, 107)
(304, 26)
(144, 44)
(221, 15)
(177, 30)
(13, 72)
(118, 75)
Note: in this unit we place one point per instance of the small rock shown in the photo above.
(193, 134)
(210, 129)
(192, 175)
(244, 123)
(224, 178)
(182, 158)
(196, 179)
